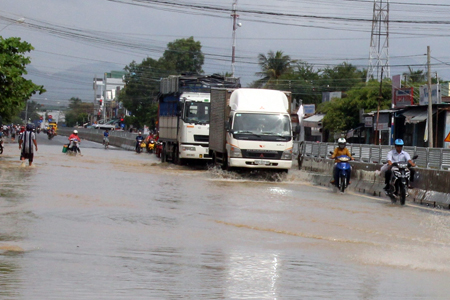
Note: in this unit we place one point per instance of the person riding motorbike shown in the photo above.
(74, 136)
(105, 136)
(394, 156)
(338, 151)
(139, 139)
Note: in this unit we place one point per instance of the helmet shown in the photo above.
(399, 142)
(342, 143)
(75, 131)
(30, 127)
(140, 132)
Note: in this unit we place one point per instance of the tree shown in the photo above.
(15, 90)
(342, 77)
(183, 56)
(415, 76)
(78, 112)
(273, 66)
(140, 91)
(342, 115)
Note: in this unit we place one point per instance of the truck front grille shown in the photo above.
(201, 138)
(260, 154)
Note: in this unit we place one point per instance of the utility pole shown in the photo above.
(430, 105)
(233, 51)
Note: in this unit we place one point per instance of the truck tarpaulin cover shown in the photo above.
(168, 106)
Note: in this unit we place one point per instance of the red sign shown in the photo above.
(50, 116)
(41, 117)
(403, 97)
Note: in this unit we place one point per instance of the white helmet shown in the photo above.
(75, 131)
(342, 143)
(140, 132)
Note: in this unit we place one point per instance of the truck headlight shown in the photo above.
(287, 154)
(235, 152)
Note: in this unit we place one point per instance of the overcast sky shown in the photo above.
(72, 36)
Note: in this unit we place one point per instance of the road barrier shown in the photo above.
(123, 139)
(431, 181)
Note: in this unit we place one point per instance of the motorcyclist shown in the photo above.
(338, 151)
(139, 138)
(397, 155)
(105, 135)
(74, 136)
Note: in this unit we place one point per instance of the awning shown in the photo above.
(313, 121)
(414, 116)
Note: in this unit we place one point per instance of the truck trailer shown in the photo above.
(184, 114)
(251, 128)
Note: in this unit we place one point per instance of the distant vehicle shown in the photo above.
(112, 125)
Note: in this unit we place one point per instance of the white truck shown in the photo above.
(251, 128)
(184, 113)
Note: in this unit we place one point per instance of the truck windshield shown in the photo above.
(262, 125)
(197, 112)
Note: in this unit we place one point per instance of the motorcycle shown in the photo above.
(399, 182)
(38, 130)
(139, 145)
(74, 146)
(158, 149)
(106, 142)
(50, 134)
(343, 169)
(151, 146)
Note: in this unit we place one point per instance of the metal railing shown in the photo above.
(428, 158)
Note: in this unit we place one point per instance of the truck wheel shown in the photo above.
(176, 157)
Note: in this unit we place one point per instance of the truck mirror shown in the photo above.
(227, 126)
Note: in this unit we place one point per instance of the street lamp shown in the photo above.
(20, 21)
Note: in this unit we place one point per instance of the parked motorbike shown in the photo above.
(73, 147)
(140, 145)
(399, 182)
(151, 146)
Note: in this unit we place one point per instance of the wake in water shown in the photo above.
(248, 174)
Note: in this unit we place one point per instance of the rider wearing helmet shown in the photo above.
(139, 137)
(74, 136)
(338, 151)
(397, 155)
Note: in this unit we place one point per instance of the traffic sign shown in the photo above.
(447, 139)
(49, 120)
(50, 117)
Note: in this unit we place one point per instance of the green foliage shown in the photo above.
(14, 88)
(184, 56)
(273, 66)
(78, 112)
(343, 114)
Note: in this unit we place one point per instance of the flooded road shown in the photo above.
(114, 224)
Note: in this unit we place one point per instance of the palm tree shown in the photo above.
(415, 76)
(273, 65)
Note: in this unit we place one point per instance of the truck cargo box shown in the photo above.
(219, 113)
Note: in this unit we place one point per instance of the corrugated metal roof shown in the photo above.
(313, 121)
(414, 116)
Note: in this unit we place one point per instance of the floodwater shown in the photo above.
(114, 224)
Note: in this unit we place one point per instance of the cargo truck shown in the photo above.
(251, 128)
(184, 113)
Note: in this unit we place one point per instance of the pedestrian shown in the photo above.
(26, 141)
